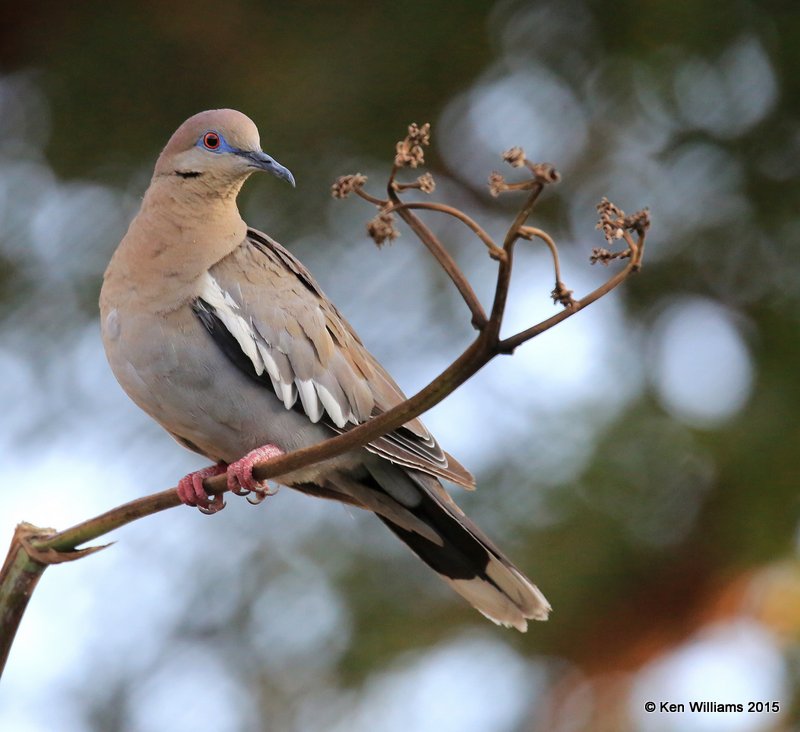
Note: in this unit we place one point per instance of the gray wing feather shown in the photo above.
(288, 329)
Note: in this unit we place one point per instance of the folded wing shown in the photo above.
(269, 316)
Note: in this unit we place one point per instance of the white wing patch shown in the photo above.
(333, 408)
(265, 357)
(227, 312)
(309, 399)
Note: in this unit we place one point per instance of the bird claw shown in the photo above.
(256, 497)
(240, 475)
(240, 481)
(213, 507)
(192, 493)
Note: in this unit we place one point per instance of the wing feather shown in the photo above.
(293, 338)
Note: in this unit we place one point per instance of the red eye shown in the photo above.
(211, 140)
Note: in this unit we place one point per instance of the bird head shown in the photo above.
(220, 147)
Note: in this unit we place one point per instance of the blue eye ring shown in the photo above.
(212, 141)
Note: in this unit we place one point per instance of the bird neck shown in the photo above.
(179, 233)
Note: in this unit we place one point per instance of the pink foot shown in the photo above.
(240, 474)
(192, 493)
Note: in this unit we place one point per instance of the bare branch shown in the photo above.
(560, 292)
(636, 252)
(445, 260)
(495, 252)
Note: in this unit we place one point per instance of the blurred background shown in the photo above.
(639, 462)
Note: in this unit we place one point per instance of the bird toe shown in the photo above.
(240, 474)
(192, 493)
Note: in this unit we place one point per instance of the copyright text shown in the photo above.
(712, 707)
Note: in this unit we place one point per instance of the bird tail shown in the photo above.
(419, 511)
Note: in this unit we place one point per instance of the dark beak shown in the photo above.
(262, 161)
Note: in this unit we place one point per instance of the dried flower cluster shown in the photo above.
(544, 172)
(515, 157)
(613, 221)
(561, 294)
(409, 153)
(497, 184)
(606, 256)
(344, 185)
(426, 183)
(382, 229)
(639, 221)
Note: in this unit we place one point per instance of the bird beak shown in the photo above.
(262, 161)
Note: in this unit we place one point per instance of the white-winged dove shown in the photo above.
(223, 337)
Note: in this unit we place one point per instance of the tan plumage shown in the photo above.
(221, 335)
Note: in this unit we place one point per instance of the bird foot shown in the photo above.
(240, 474)
(192, 493)
(240, 481)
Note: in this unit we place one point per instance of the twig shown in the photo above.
(447, 263)
(494, 251)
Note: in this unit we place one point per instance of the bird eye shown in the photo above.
(211, 141)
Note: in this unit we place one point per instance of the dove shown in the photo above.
(223, 337)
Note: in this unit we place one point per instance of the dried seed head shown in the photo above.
(545, 172)
(426, 183)
(515, 157)
(419, 135)
(382, 229)
(612, 220)
(614, 223)
(497, 184)
(346, 184)
(638, 222)
(409, 153)
(605, 256)
(562, 295)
